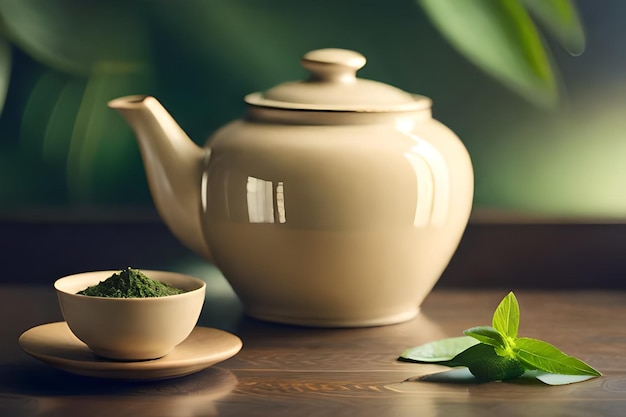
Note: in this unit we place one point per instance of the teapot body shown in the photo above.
(349, 223)
(336, 201)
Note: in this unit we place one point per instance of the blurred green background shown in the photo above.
(546, 129)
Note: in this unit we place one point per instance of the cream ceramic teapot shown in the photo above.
(336, 201)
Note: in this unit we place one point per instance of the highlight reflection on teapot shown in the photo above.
(335, 201)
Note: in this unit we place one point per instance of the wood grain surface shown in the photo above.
(295, 371)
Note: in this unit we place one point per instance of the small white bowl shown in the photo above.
(131, 328)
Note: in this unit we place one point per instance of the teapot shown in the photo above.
(335, 201)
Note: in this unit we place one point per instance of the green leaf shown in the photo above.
(484, 363)
(438, 351)
(497, 354)
(5, 70)
(500, 37)
(476, 353)
(506, 317)
(451, 376)
(561, 20)
(537, 354)
(487, 335)
(464, 376)
(560, 379)
(452, 352)
(73, 35)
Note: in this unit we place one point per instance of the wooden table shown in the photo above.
(293, 371)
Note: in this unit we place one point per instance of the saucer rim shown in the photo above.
(160, 368)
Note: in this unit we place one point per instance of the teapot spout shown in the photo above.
(173, 164)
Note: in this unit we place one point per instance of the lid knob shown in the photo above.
(332, 64)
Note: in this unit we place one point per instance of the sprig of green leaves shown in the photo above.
(497, 353)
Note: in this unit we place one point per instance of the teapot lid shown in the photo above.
(334, 86)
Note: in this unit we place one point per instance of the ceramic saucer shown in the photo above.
(56, 345)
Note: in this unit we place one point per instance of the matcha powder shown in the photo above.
(130, 283)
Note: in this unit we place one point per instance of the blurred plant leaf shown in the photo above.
(500, 37)
(60, 118)
(73, 35)
(39, 109)
(561, 19)
(237, 35)
(5, 70)
(101, 145)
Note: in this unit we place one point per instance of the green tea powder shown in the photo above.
(130, 283)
